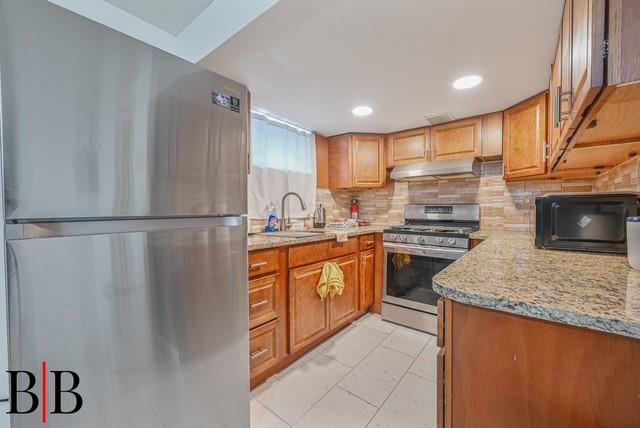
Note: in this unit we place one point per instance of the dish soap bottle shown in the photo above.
(272, 218)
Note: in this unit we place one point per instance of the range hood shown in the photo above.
(437, 170)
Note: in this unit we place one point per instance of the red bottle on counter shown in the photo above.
(355, 209)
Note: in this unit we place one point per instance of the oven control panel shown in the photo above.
(426, 240)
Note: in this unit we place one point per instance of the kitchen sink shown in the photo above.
(292, 234)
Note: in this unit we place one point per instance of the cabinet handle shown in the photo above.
(258, 304)
(258, 265)
(258, 353)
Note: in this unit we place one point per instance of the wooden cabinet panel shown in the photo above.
(565, 67)
(300, 255)
(265, 347)
(367, 272)
(309, 315)
(367, 242)
(492, 136)
(534, 373)
(459, 139)
(340, 162)
(344, 308)
(408, 147)
(264, 295)
(368, 158)
(263, 262)
(524, 138)
(322, 162)
(555, 88)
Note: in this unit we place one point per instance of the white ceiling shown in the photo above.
(169, 15)
(189, 29)
(311, 61)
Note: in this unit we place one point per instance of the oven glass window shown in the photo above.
(410, 277)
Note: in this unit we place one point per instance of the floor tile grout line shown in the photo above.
(273, 413)
(390, 394)
(325, 394)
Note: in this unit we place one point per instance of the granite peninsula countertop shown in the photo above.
(507, 273)
(261, 242)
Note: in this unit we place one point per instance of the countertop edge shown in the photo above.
(327, 236)
(604, 325)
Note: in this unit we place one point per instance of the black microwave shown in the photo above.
(584, 222)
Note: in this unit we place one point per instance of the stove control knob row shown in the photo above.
(451, 241)
(422, 240)
(403, 238)
(394, 237)
(439, 240)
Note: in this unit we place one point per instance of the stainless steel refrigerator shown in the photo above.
(125, 196)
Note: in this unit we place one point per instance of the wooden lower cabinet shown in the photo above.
(266, 347)
(313, 318)
(502, 370)
(367, 279)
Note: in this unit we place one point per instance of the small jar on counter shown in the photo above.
(633, 241)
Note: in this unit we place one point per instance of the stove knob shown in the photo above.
(439, 240)
(403, 238)
(451, 241)
(422, 240)
(394, 237)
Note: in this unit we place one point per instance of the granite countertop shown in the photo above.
(507, 273)
(260, 242)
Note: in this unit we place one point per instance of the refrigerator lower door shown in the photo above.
(152, 317)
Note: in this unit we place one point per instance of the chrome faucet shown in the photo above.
(287, 223)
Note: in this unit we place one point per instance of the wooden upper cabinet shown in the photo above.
(524, 138)
(555, 87)
(565, 69)
(492, 136)
(340, 162)
(368, 160)
(356, 160)
(322, 161)
(459, 139)
(408, 147)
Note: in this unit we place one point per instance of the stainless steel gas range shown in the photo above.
(432, 237)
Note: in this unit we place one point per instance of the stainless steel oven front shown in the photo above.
(409, 271)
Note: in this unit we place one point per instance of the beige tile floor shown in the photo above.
(372, 374)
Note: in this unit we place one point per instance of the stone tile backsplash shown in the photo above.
(624, 177)
(504, 206)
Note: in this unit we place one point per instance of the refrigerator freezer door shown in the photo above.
(155, 323)
(97, 124)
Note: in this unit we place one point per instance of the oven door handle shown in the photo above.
(415, 250)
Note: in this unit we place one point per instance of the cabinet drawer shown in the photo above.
(263, 347)
(263, 299)
(261, 262)
(339, 249)
(367, 242)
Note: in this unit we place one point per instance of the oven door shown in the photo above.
(409, 272)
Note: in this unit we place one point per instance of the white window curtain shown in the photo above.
(283, 159)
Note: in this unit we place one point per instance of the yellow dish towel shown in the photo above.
(331, 281)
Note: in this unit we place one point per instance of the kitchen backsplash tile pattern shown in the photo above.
(504, 206)
(625, 177)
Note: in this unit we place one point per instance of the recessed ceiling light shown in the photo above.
(362, 111)
(467, 82)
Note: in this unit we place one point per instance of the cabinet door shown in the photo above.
(309, 315)
(492, 136)
(344, 308)
(460, 139)
(368, 160)
(340, 162)
(555, 88)
(524, 138)
(565, 66)
(408, 147)
(366, 279)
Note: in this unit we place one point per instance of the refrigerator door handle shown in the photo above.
(98, 227)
